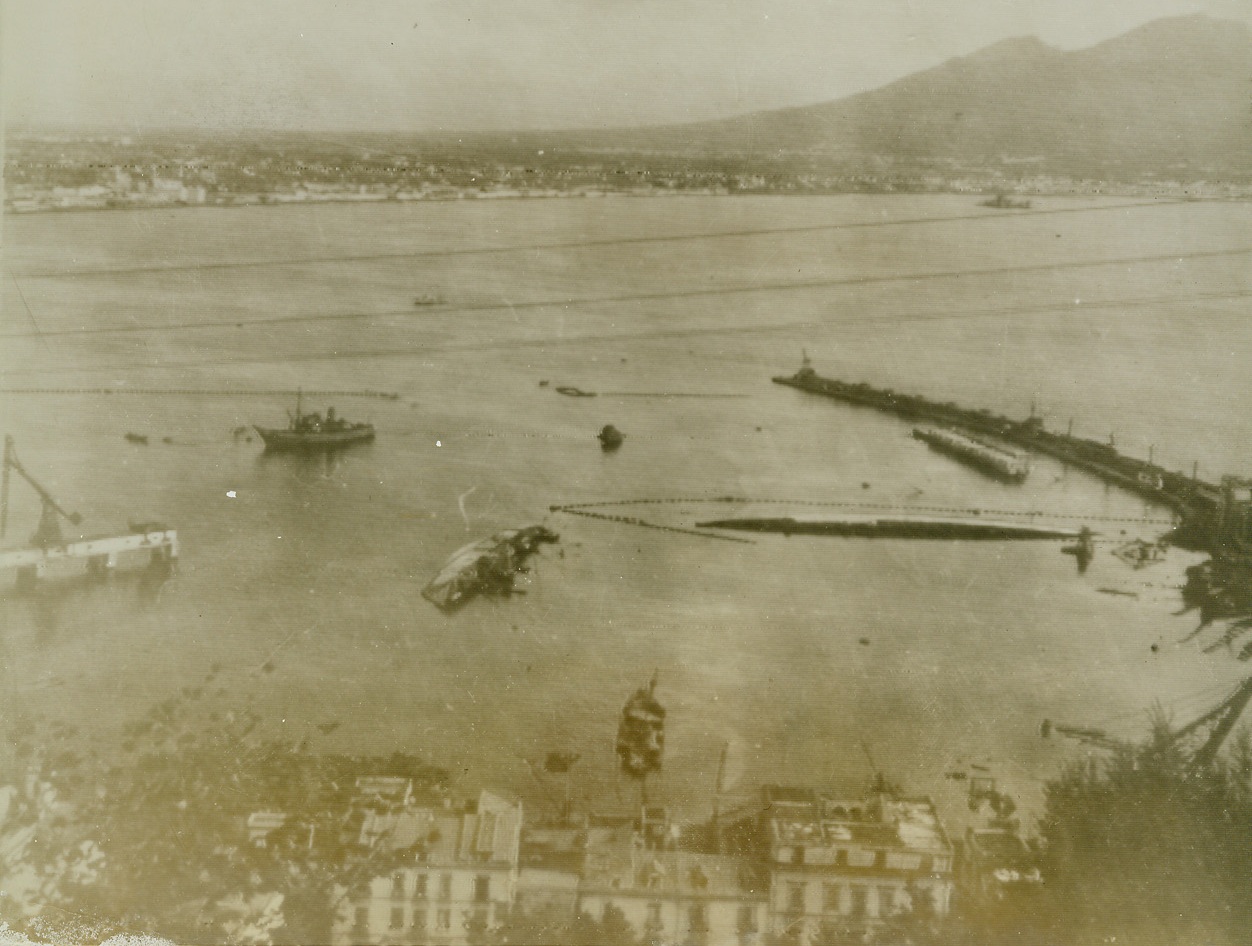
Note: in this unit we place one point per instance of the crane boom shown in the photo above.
(1221, 718)
(48, 530)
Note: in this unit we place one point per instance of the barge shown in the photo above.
(983, 455)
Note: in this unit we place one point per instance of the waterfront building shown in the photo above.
(852, 861)
(671, 895)
(550, 864)
(452, 873)
(997, 869)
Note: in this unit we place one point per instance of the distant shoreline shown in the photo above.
(1230, 193)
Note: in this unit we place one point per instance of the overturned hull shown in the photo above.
(895, 527)
(487, 566)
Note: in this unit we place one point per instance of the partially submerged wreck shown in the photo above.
(895, 527)
(488, 566)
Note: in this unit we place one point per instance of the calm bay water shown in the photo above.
(302, 578)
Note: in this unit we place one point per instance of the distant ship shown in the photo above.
(314, 432)
(1005, 202)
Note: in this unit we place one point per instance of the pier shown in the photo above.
(1213, 517)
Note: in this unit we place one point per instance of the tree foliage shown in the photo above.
(1145, 848)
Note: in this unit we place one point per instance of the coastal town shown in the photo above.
(51, 172)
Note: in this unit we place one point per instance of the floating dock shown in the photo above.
(988, 457)
(895, 527)
(100, 553)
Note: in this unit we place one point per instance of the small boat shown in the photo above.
(428, 298)
(311, 432)
(610, 437)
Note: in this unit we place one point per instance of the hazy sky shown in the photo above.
(430, 65)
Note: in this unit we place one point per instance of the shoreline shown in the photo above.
(255, 200)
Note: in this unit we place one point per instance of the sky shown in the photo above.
(466, 65)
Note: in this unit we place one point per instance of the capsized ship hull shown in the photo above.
(895, 527)
(488, 565)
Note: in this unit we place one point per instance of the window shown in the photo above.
(397, 918)
(859, 900)
(362, 918)
(831, 900)
(487, 832)
(698, 918)
(747, 919)
(419, 919)
(654, 916)
(445, 886)
(397, 884)
(443, 919)
(482, 888)
(898, 860)
(419, 886)
(889, 901)
(795, 898)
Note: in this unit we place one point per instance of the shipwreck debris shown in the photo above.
(1140, 553)
(894, 527)
(488, 566)
(610, 438)
(641, 736)
(1083, 550)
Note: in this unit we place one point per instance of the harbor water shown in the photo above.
(301, 577)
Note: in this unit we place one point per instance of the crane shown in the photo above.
(49, 531)
(1200, 740)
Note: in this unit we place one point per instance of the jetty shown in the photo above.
(1214, 517)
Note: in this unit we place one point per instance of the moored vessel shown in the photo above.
(990, 458)
(315, 432)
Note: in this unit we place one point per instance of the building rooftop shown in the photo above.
(798, 818)
(482, 831)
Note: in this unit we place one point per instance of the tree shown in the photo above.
(1146, 848)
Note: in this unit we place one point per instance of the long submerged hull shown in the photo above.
(895, 527)
(276, 439)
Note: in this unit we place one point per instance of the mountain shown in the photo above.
(1172, 96)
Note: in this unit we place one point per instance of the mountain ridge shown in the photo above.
(1172, 94)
